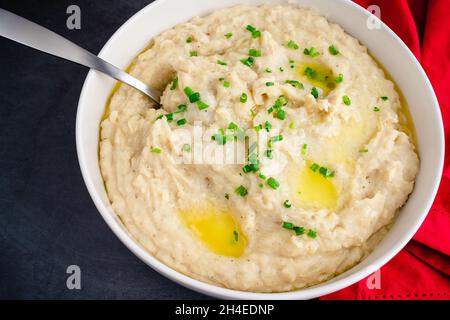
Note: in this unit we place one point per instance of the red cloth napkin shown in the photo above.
(422, 269)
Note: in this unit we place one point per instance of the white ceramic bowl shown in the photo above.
(383, 43)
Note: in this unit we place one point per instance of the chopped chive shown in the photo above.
(243, 97)
(273, 183)
(268, 70)
(181, 122)
(339, 78)
(236, 236)
(222, 63)
(192, 95)
(228, 35)
(267, 126)
(281, 114)
(202, 105)
(292, 45)
(315, 92)
(346, 100)
(227, 196)
(299, 230)
(241, 191)
(292, 125)
(262, 176)
(364, 150)
(254, 53)
(226, 84)
(174, 83)
(248, 61)
(270, 84)
(384, 98)
(261, 185)
(312, 52)
(309, 73)
(193, 53)
(287, 204)
(376, 109)
(314, 167)
(295, 84)
(258, 127)
(281, 69)
(312, 234)
(326, 173)
(276, 138)
(155, 150)
(255, 32)
(333, 50)
(186, 147)
(269, 153)
(181, 108)
(304, 149)
(287, 225)
(189, 39)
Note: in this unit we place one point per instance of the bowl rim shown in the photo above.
(224, 293)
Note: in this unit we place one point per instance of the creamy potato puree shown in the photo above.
(310, 201)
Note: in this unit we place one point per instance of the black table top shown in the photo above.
(47, 219)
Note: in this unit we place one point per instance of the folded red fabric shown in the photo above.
(422, 269)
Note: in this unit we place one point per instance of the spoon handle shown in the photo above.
(37, 37)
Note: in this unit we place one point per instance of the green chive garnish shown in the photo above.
(228, 35)
(304, 149)
(226, 84)
(315, 92)
(254, 53)
(227, 196)
(174, 83)
(346, 100)
(241, 191)
(193, 53)
(236, 235)
(292, 45)
(312, 234)
(270, 84)
(248, 61)
(181, 122)
(222, 63)
(333, 50)
(281, 114)
(202, 105)
(314, 167)
(339, 78)
(243, 98)
(189, 39)
(255, 32)
(295, 84)
(267, 126)
(155, 150)
(312, 52)
(384, 98)
(376, 109)
(268, 70)
(287, 204)
(273, 183)
(288, 225)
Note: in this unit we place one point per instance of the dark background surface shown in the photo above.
(47, 219)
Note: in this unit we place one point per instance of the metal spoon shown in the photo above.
(35, 36)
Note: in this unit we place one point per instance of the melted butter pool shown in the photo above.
(320, 76)
(311, 190)
(216, 228)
